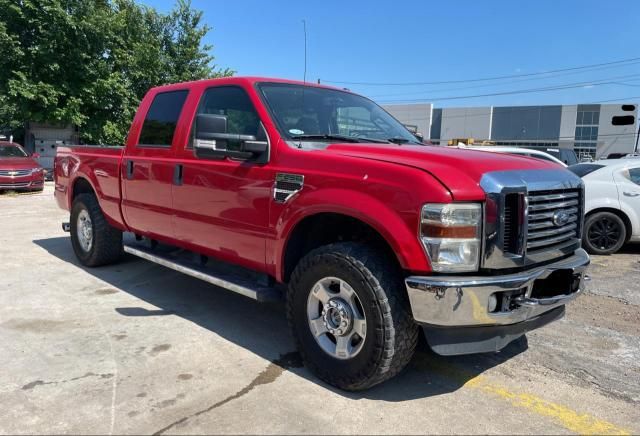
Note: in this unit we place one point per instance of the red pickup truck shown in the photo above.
(271, 187)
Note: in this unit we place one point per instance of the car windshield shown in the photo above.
(583, 169)
(565, 155)
(12, 151)
(538, 156)
(322, 114)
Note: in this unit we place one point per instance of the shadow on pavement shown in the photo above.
(262, 328)
(630, 248)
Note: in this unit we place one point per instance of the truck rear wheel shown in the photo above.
(350, 316)
(95, 242)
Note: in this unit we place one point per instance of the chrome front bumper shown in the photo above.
(463, 301)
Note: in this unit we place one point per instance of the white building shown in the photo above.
(594, 129)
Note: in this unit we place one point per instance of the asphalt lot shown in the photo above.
(137, 348)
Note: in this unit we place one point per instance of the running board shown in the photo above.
(232, 278)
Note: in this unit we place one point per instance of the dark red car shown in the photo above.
(18, 170)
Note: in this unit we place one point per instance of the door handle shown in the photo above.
(129, 169)
(177, 175)
(631, 194)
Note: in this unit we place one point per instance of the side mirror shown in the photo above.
(208, 125)
(419, 136)
(212, 140)
(35, 155)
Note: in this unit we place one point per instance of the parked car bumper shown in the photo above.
(33, 182)
(471, 314)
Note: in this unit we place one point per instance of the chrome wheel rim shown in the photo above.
(336, 318)
(84, 230)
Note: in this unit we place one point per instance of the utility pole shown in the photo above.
(304, 28)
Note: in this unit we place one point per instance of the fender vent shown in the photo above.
(286, 186)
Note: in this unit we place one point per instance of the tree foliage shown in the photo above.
(90, 62)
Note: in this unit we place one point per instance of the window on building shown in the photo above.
(586, 134)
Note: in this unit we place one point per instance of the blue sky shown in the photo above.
(425, 41)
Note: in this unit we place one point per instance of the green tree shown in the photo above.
(189, 58)
(89, 62)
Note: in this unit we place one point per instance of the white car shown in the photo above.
(515, 150)
(612, 203)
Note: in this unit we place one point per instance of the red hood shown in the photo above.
(459, 170)
(18, 163)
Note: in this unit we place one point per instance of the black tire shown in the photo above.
(604, 233)
(106, 247)
(391, 333)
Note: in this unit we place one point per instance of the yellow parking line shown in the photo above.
(581, 423)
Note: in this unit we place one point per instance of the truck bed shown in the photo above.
(100, 164)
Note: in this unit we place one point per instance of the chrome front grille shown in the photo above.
(531, 217)
(14, 173)
(553, 218)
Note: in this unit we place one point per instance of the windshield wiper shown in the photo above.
(375, 140)
(327, 136)
(399, 141)
(344, 138)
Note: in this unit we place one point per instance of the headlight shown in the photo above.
(37, 170)
(450, 234)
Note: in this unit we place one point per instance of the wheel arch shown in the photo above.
(81, 185)
(322, 228)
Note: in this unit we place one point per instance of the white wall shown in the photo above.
(473, 122)
(615, 139)
(412, 114)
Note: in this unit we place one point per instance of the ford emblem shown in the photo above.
(561, 217)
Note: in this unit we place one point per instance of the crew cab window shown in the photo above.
(162, 118)
(234, 103)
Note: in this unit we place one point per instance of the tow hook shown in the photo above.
(66, 227)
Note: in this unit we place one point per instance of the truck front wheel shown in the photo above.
(350, 316)
(95, 242)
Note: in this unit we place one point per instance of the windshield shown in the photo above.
(12, 151)
(583, 169)
(310, 113)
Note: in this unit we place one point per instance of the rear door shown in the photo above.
(148, 168)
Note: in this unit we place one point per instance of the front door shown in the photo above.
(222, 205)
(148, 169)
